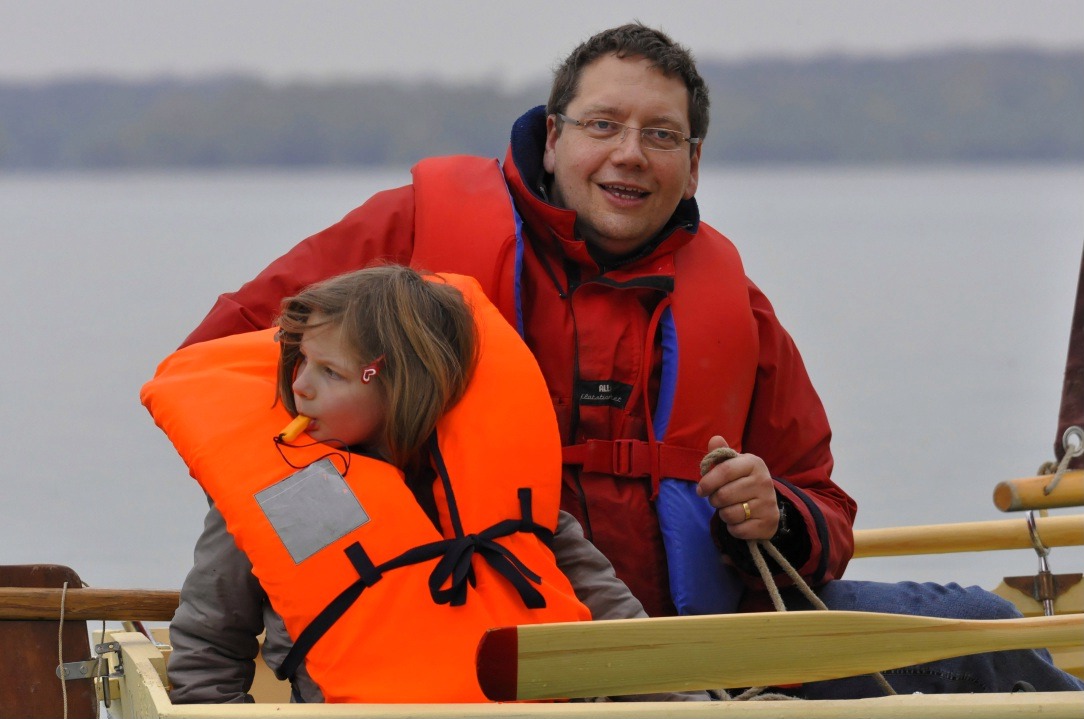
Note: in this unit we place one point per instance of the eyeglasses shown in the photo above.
(371, 370)
(652, 138)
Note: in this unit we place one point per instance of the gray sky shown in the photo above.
(505, 40)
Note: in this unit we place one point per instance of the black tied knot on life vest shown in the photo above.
(449, 579)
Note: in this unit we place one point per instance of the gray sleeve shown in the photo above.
(214, 632)
(591, 574)
(593, 579)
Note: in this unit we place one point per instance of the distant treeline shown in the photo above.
(1010, 105)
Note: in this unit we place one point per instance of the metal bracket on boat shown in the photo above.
(97, 668)
(1044, 587)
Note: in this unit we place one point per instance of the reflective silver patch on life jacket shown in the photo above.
(311, 509)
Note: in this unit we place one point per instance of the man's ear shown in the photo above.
(694, 172)
(548, 158)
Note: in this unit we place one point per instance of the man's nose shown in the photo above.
(630, 146)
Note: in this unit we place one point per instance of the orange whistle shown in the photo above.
(295, 428)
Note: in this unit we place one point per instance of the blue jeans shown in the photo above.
(990, 672)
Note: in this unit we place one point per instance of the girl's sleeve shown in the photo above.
(214, 632)
(591, 574)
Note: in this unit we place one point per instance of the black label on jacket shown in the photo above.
(603, 392)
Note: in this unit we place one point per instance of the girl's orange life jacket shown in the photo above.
(388, 608)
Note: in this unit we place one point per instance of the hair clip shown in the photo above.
(372, 370)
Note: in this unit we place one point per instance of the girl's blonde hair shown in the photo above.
(423, 329)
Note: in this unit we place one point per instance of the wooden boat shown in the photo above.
(632, 656)
(139, 692)
(134, 682)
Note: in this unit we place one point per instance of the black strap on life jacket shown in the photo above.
(455, 570)
(448, 580)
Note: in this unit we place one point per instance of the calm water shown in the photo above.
(932, 306)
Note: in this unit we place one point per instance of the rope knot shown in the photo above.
(449, 580)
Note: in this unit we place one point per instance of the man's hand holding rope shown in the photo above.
(743, 491)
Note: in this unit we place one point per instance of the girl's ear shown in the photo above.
(371, 370)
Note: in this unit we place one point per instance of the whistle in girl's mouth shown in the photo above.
(294, 429)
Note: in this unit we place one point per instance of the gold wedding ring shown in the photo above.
(745, 508)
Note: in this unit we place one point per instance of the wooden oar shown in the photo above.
(88, 604)
(635, 656)
(967, 537)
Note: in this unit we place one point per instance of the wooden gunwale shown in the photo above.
(141, 694)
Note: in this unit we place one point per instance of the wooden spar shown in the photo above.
(629, 656)
(1029, 493)
(967, 537)
(88, 604)
(159, 605)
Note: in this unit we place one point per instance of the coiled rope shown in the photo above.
(722, 454)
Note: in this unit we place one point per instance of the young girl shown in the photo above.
(415, 511)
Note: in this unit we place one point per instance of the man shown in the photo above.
(654, 344)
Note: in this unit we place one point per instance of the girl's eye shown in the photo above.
(331, 374)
